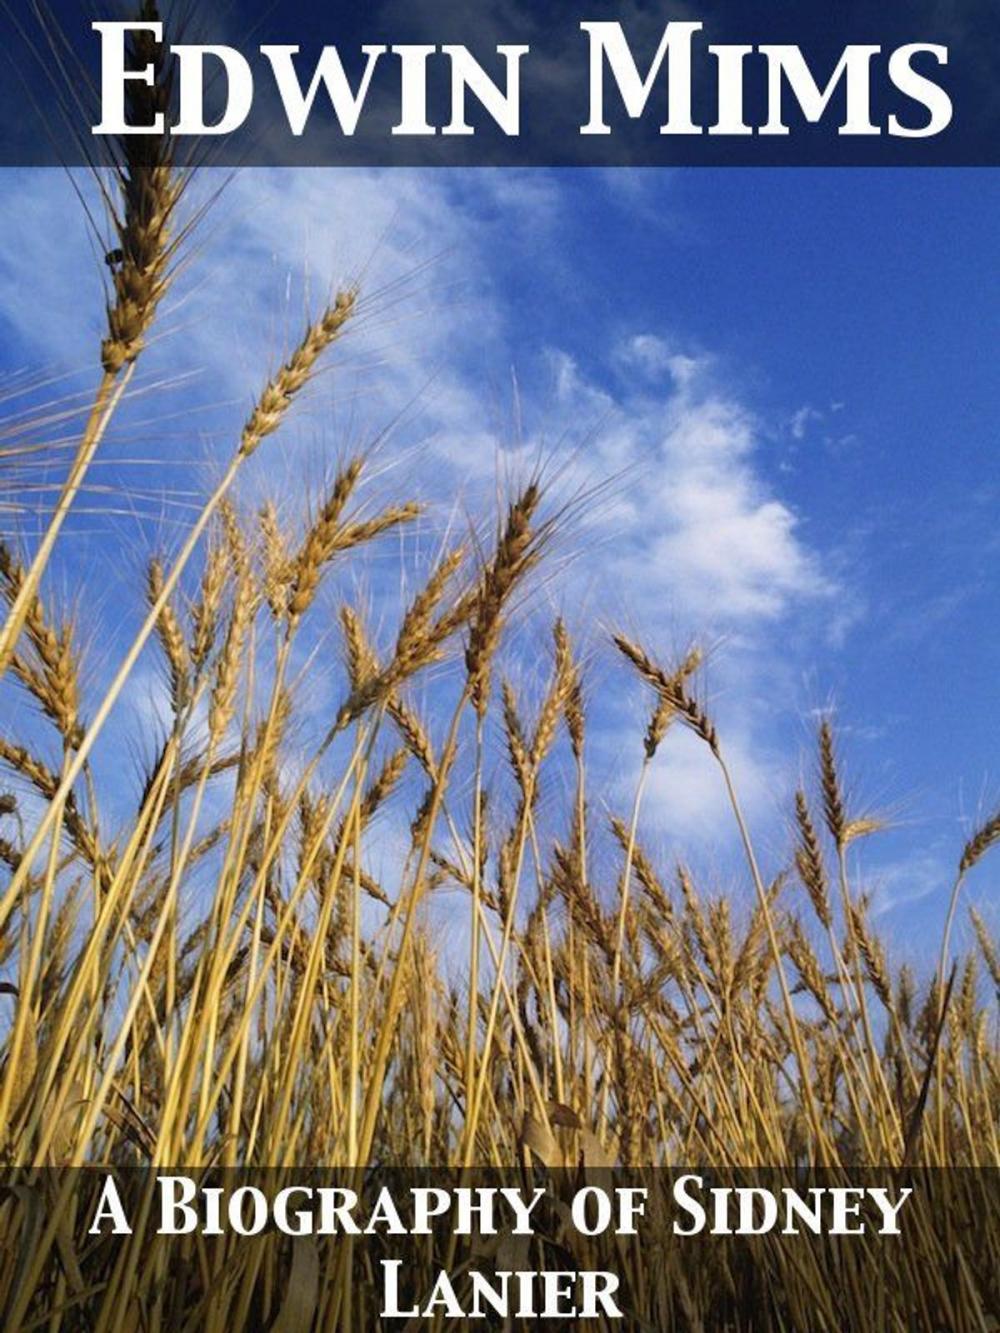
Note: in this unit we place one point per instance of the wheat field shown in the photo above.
(225, 979)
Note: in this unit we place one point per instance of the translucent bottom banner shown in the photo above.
(341, 1248)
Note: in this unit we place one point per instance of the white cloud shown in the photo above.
(907, 881)
(695, 522)
(692, 533)
(686, 797)
(698, 527)
(801, 419)
(653, 356)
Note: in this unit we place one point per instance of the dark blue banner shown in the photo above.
(439, 83)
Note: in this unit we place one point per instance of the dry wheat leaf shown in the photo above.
(302, 1293)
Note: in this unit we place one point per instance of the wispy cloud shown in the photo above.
(693, 533)
(700, 527)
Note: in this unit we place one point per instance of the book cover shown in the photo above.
(497, 680)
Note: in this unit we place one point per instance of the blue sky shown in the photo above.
(790, 374)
